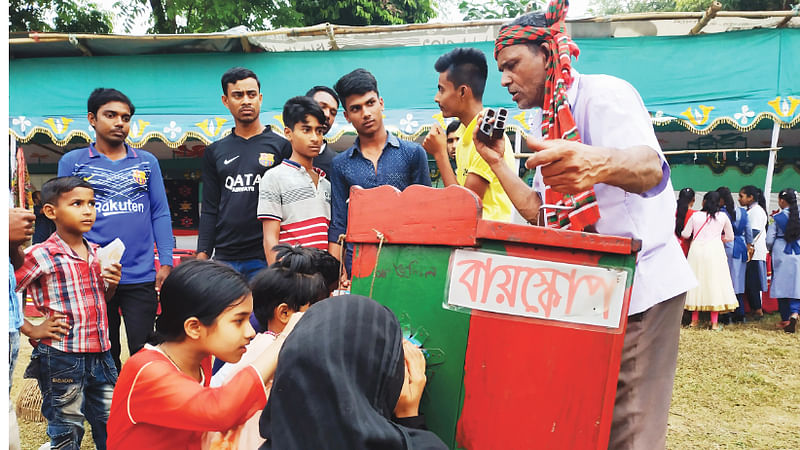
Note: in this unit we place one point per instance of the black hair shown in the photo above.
(465, 66)
(328, 266)
(757, 194)
(201, 289)
(310, 261)
(685, 196)
(281, 284)
(311, 92)
(792, 232)
(297, 109)
(101, 96)
(357, 82)
(453, 126)
(54, 188)
(533, 19)
(727, 198)
(234, 74)
(711, 203)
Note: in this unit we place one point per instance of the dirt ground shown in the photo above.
(738, 388)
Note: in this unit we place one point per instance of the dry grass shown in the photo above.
(739, 388)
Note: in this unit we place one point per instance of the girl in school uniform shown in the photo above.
(682, 215)
(162, 398)
(755, 283)
(783, 239)
(738, 250)
(709, 228)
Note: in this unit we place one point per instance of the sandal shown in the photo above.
(792, 324)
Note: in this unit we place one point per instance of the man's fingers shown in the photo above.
(542, 158)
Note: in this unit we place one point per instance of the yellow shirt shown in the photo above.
(496, 204)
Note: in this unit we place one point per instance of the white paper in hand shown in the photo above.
(111, 253)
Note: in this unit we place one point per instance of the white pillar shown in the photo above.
(776, 129)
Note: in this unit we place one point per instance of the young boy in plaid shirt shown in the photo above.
(76, 372)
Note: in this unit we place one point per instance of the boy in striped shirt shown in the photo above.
(76, 372)
(294, 199)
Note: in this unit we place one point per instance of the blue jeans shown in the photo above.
(13, 352)
(75, 386)
(787, 307)
(247, 267)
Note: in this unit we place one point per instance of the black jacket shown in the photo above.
(232, 171)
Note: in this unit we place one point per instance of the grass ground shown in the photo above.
(738, 388)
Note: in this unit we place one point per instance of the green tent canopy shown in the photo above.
(698, 82)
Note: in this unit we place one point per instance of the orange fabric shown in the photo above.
(157, 406)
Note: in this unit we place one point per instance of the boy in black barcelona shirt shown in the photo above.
(232, 170)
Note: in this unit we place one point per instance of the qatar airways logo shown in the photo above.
(243, 183)
(111, 208)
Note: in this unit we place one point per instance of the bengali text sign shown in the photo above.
(535, 288)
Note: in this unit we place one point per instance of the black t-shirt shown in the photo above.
(232, 171)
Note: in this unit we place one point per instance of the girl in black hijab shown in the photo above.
(344, 372)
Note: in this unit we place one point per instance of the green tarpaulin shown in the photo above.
(738, 78)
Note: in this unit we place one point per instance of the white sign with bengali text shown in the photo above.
(526, 287)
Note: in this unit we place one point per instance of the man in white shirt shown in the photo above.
(601, 144)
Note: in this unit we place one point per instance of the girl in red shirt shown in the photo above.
(162, 398)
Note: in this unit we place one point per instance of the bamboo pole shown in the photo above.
(688, 152)
(322, 29)
(710, 13)
(686, 15)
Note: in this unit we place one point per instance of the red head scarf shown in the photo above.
(557, 120)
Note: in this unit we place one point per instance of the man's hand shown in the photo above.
(202, 256)
(435, 142)
(492, 152)
(112, 274)
(161, 275)
(20, 225)
(414, 383)
(53, 328)
(568, 167)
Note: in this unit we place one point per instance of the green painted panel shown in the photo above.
(412, 280)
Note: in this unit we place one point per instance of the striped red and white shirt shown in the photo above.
(288, 194)
(60, 281)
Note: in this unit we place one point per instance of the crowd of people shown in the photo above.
(204, 373)
(727, 248)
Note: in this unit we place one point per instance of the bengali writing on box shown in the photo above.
(526, 287)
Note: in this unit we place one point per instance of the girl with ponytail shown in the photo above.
(709, 228)
(738, 250)
(783, 239)
(682, 215)
(755, 283)
(162, 398)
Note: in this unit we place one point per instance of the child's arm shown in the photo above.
(272, 232)
(111, 276)
(53, 328)
(270, 212)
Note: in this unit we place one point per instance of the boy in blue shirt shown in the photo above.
(131, 205)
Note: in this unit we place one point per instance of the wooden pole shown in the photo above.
(709, 14)
(688, 152)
